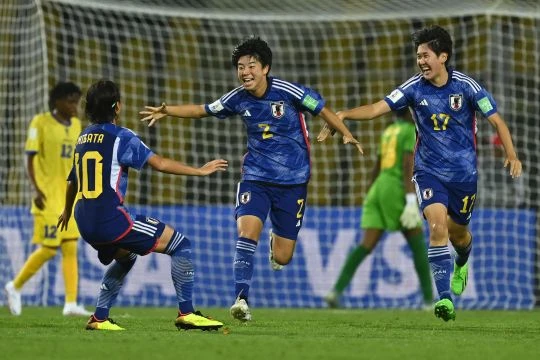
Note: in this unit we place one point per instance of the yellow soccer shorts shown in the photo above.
(47, 234)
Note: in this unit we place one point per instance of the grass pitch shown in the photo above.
(276, 334)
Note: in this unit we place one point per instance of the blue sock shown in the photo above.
(463, 254)
(441, 265)
(112, 282)
(243, 266)
(182, 271)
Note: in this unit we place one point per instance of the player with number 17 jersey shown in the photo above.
(277, 134)
(446, 123)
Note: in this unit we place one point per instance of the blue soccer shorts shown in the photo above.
(142, 239)
(459, 198)
(284, 203)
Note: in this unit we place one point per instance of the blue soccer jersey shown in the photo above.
(277, 134)
(446, 123)
(103, 155)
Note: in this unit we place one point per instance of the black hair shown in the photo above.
(253, 46)
(61, 91)
(436, 38)
(101, 100)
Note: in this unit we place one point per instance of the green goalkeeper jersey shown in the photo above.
(397, 139)
(385, 199)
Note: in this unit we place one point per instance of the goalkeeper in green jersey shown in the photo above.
(390, 205)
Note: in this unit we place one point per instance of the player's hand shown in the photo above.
(39, 199)
(325, 131)
(351, 140)
(153, 114)
(213, 166)
(515, 166)
(63, 221)
(410, 217)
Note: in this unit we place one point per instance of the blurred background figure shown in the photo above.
(49, 148)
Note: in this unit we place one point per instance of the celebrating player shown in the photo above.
(103, 156)
(49, 149)
(390, 205)
(276, 168)
(444, 103)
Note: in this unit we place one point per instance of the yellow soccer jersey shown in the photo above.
(53, 143)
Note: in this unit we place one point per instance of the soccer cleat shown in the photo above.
(275, 266)
(14, 299)
(108, 324)
(196, 320)
(74, 309)
(459, 278)
(444, 309)
(240, 310)
(332, 300)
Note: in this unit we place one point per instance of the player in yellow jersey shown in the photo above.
(49, 148)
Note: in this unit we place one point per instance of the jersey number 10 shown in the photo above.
(89, 167)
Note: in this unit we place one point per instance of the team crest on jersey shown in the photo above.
(245, 197)
(456, 101)
(427, 194)
(278, 109)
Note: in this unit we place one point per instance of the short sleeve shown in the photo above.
(219, 109)
(485, 103)
(312, 101)
(133, 152)
(33, 137)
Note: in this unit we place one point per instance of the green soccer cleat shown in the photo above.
(196, 321)
(444, 309)
(459, 279)
(108, 324)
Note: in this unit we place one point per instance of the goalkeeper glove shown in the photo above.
(410, 217)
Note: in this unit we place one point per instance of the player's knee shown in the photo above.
(48, 252)
(69, 248)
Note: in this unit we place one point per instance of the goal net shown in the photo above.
(353, 53)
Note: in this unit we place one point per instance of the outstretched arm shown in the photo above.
(364, 112)
(334, 122)
(153, 114)
(504, 134)
(170, 166)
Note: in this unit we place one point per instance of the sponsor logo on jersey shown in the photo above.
(424, 102)
(484, 104)
(456, 101)
(247, 113)
(152, 221)
(216, 106)
(245, 197)
(427, 194)
(310, 103)
(395, 95)
(278, 109)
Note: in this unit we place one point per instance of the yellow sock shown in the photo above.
(34, 262)
(69, 269)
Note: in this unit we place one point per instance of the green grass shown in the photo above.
(304, 334)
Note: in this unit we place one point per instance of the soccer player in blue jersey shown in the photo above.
(276, 167)
(98, 181)
(444, 103)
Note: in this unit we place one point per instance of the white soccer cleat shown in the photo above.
(275, 266)
(74, 309)
(14, 299)
(240, 310)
